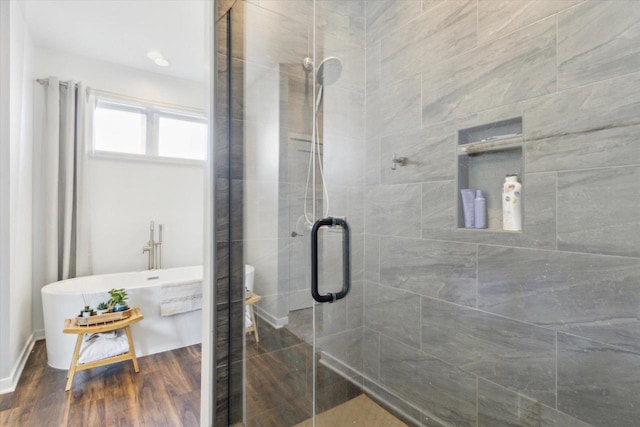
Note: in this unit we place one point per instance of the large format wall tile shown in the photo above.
(445, 391)
(589, 295)
(499, 407)
(394, 108)
(372, 258)
(511, 69)
(605, 104)
(371, 353)
(608, 147)
(598, 211)
(510, 353)
(446, 30)
(597, 383)
(274, 39)
(393, 210)
(393, 312)
(430, 155)
(384, 16)
(497, 18)
(439, 217)
(443, 270)
(588, 53)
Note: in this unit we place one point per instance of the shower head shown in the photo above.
(329, 71)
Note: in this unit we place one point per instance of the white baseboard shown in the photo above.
(8, 385)
(38, 334)
(276, 322)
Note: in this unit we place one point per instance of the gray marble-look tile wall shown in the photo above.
(473, 327)
(544, 320)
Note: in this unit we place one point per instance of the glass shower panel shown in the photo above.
(276, 102)
(340, 103)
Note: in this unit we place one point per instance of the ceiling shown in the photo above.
(123, 31)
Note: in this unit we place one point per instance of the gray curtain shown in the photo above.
(66, 139)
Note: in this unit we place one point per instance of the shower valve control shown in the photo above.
(395, 161)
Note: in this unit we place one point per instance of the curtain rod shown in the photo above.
(46, 82)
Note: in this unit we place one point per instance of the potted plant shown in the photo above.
(87, 310)
(118, 299)
(102, 308)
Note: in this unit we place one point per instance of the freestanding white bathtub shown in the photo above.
(155, 334)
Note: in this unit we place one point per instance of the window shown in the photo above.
(155, 132)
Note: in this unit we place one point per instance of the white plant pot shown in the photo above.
(86, 314)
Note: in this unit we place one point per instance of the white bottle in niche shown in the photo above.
(512, 204)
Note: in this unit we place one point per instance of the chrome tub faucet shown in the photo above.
(154, 248)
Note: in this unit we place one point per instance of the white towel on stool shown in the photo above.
(247, 318)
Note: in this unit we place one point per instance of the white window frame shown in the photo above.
(153, 112)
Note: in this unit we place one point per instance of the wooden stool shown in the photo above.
(71, 327)
(254, 326)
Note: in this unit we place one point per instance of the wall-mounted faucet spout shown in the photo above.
(154, 248)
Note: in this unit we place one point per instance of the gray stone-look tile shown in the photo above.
(448, 29)
(372, 161)
(297, 10)
(501, 17)
(392, 312)
(443, 270)
(598, 211)
(590, 295)
(331, 318)
(344, 161)
(372, 62)
(608, 147)
(499, 407)
(271, 39)
(606, 104)
(443, 390)
(372, 258)
(439, 218)
(394, 108)
(355, 209)
(514, 68)
(428, 4)
(598, 40)
(355, 305)
(343, 114)
(349, 48)
(344, 346)
(393, 210)
(430, 154)
(597, 383)
(384, 16)
(371, 353)
(510, 353)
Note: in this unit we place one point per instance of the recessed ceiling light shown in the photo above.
(153, 55)
(161, 62)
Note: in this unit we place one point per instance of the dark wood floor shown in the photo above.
(166, 392)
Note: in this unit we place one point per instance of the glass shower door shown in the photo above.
(296, 117)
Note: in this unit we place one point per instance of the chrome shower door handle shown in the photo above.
(346, 251)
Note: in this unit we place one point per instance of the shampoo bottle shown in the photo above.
(512, 204)
(467, 207)
(480, 208)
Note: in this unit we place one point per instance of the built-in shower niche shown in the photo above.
(486, 154)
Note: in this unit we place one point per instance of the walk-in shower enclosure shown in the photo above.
(443, 325)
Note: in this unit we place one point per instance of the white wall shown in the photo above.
(16, 157)
(125, 194)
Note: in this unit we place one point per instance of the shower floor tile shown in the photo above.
(360, 411)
